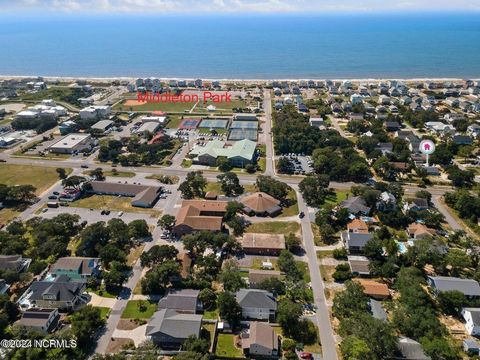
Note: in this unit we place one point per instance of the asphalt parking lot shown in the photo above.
(301, 164)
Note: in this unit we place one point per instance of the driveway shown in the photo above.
(137, 334)
(101, 301)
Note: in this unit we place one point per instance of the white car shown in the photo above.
(120, 213)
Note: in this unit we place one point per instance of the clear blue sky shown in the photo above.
(37, 7)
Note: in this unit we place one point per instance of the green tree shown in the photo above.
(314, 189)
(85, 323)
(62, 173)
(451, 302)
(229, 309)
(208, 298)
(167, 222)
(231, 277)
(350, 301)
(224, 164)
(230, 184)
(353, 348)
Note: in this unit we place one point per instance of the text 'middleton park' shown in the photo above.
(183, 98)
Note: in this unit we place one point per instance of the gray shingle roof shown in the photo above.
(184, 300)
(61, 287)
(377, 310)
(253, 298)
(411, 349)
(356, 239)
(173, 324)
(468, 287)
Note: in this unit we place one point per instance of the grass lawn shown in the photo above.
(324, 254)
(7, 214)
(119, 173)
(174, 122)
(337, 198)
(134, 255)
(262, 164)
(186, 163)
(40, 177)
(156, 106)
(317, 238)
(221, 107)
(212, 314)
(104, 312)
(303, 266)
(210, 328)
(274, 227)
(102, 292)
(257, 263)
(216, 186)
(113, 203)
(292, 210)
(226, 346)
(132, 310)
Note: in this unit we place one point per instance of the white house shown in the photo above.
(472, 320)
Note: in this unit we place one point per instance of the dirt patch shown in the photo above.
(116, 344)
(127, 324)
(133, 103)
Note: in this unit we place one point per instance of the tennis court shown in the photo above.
(189, 124)
(241, 134)
(244, 125)
(214, 123)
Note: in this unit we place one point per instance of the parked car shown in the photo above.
(120, 213)
(84, 166)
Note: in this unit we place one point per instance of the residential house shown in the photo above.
(357, 226)
(385, 148)
(169, 329)
(3, 286)
(410, 349)
(355, 242)
(416, 204)
(439, 127)
(42, 320)
(183, 301)
(474, 130)
(256, 277)
(462, 139)
(257, 304)
(263, 244)
(468, 287)
(15, 263)
(76, 268)
(471, 346)
(359, 265)
(260, 204)
(316, 122)
(392, 126)
(374, 289)
(377, 310)
(472, 320)
(198, 215)
(260, 340)
(61, 293)
(386, 202)
(355, 205)
(418, 231)
(451, 117)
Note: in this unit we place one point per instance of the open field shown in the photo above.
(112, 203)
(274, 227)
(40, 177)
(221, 107)
(133, 311)
(104, 312)
(130, 105)
(7, 214)
(337, 198)
(215, 186)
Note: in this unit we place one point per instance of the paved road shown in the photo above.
(270, 159)
(327, 338)
(448, 217)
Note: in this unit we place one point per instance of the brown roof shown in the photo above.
(418, 229)
(359, 264)
(191, 214)
(207, 205)
(257, 276)
(373, 288)
(261, 334)
(357, 225)
(263, 241)
(186, 261)
(260, 202)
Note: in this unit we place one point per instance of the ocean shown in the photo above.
(244, 47)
